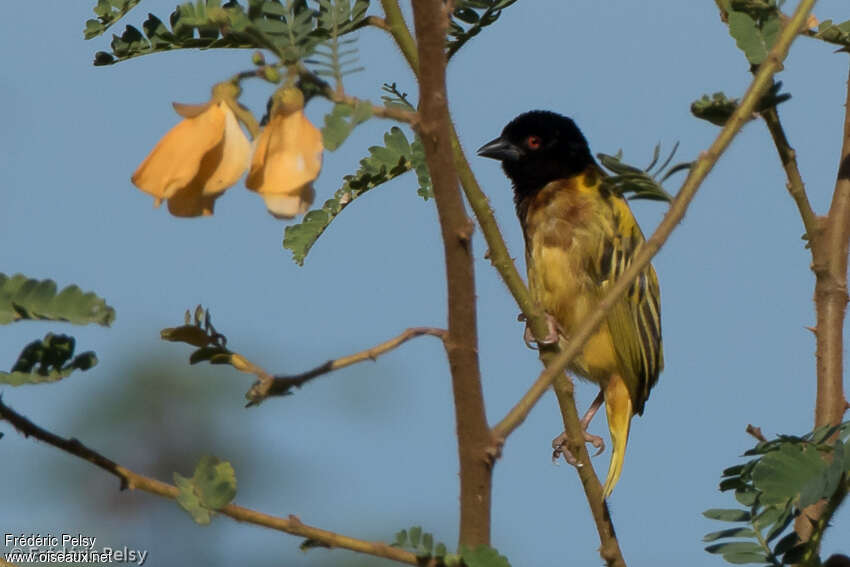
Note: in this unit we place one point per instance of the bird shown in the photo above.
(580, 235)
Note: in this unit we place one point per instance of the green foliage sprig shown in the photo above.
(469, 18)
(635, 183)
(717, 108)
(384, 163)
(47, 360)
(292, 30)
(787, 475)
(26, 298)
(108, 12)
(838, 34)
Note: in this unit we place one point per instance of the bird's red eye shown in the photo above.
(533, 142)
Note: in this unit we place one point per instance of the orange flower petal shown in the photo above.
(233, 159)
(176, 159)
(287, 159)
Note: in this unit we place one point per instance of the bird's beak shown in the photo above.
(500, 149)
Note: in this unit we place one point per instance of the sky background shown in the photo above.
(371, 449)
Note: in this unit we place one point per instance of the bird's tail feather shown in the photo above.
(618, 406)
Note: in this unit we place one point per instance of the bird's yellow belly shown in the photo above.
(561, 286)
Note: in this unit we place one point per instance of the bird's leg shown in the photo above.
(559, 444)
(552, 335)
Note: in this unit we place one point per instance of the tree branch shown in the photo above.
(431, 22)
(796, 187)
(397, 27)
(129, 479)
(283, 385)
(829, 263)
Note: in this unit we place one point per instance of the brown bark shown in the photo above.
(431, 22)
(829, 247)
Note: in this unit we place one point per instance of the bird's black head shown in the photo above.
(538, 147)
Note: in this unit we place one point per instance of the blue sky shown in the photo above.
(370, 450)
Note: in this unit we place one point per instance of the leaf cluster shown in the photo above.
(785, 476)
(108, 12)
(469, 18)
(838, 34)
(423, 545)
(641, 183)
(25, 298)
(384, 163)
(292, 30)
(718, 108)
(47, 360)
(197, 330)
(335, 56)
(211, 487)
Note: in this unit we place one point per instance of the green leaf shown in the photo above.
(415, 534)
(731, 532)
(212, 486)
(483, 556)
(734, 547)
(108, 12)
(341, 121)
(400, 538)
(727, 515)
(743, 557)
(795, 471)
(427, 542)
(215, 482)
(743, 28)
(383, 164)
(47, 360)
(25, 298)
(189, 500)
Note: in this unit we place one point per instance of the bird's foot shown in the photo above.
(552, 336)
(559, 447)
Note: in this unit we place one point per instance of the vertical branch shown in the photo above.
(431, 22)
(830, 266)
(829, 263)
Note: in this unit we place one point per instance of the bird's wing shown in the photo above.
(635, 322)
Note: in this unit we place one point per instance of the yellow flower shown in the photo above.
(199, 158)
(288, 157)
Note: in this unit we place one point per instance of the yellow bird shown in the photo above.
(579, 237)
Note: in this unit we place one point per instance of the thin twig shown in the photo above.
(283, 385)
(473, 433)
(796, 187)
(129, 479)
(397, 27)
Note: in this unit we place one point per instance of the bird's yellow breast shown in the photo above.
(565, 224)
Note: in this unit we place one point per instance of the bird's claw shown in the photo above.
(552, 336)
(559, 447)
